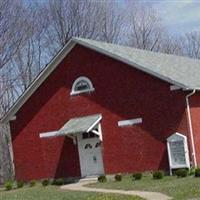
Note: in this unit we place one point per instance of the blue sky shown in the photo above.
(179, 15)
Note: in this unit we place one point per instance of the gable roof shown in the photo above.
(180, 71)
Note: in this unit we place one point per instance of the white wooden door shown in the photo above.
(90, 156)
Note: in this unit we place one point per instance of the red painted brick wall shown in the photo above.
(121, 92)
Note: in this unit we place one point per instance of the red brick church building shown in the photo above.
(103, 108)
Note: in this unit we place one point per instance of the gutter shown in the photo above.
(190, 126)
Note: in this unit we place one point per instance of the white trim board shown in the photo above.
(49, 134)
(174, 87)
(130, 122)
(82, 91)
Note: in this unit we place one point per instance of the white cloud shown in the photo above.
(181, 15)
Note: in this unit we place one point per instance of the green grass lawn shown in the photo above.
(39, 192)
(178, 188)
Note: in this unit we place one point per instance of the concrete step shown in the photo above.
(88, 179)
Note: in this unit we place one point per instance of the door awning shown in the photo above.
(75, 126)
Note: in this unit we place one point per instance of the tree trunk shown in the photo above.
(6, 154)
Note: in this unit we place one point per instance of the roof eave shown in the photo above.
(190, 89)
(137, 66)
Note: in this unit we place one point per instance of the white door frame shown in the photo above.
(83, 159)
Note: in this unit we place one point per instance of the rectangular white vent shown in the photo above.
(49, 134)
(130, 122)
(174, 87)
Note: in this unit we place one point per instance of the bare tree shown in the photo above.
(29, 60)
(14, 36)
(190, 44)
(7, 93)
(170, 45)
(70, 18)
(144, 27)
(110, 22)
(6, 156)
(87, 19)
(11, 29)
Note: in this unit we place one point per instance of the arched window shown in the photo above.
(82, 85)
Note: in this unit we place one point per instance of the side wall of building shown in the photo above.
(121, 92)
(194, 103)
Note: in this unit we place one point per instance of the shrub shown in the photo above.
(59, 181)
(118, 177)
(45, 182)
(102, 179)
(32, 183)
(197, 172)
(137, 176)
(192, 171)
(20, 184)
(69, 181)
(158, 175)
(8, 185)
(181, 172)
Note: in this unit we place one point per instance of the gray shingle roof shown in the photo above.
(178, 70)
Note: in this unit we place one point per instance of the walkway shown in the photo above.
(80, 186)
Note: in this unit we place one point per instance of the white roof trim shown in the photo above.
(174, 87)
(176, 134)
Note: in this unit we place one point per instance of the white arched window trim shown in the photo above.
(82, 78)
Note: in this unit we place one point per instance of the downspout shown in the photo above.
(190, 127)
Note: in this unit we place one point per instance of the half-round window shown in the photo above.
(82, 85)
